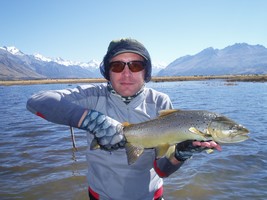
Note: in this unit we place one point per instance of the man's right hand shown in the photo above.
(107, 131)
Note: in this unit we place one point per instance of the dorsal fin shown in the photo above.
(166, 112)
(124, 124)
(127, 124)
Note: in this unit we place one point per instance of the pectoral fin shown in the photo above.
(171, 151)
(198, 132)
(161, 150)
(133, 152)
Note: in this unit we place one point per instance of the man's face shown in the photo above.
(127, 83)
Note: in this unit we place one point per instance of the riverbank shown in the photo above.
(229, 78)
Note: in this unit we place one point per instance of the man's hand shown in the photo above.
(107, 131)
(185, 150)
(207, 145)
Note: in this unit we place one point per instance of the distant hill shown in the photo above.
(240, 58)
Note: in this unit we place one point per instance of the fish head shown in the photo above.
(224, 130)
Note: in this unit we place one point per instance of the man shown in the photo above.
(100, 109)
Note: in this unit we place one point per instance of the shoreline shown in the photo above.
(228, 78)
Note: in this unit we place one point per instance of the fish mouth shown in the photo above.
(232, 139)
(240, 135)
(232, 136)
(243, 136)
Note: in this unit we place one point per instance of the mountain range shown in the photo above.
(16, 65)
(240, 58)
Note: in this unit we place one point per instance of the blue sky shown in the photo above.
(80, 30)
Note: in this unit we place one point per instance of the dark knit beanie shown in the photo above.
(127, 45)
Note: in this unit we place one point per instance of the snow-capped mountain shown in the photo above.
(157, 67)
(40, 57)
(13, 50)
(14, 64)
(93, 64)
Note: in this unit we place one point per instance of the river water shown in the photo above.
(37, 160)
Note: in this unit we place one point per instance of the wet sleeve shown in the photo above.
(55, 107)
(164, 167)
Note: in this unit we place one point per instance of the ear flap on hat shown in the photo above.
(104, 71)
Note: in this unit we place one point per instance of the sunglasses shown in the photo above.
(134, 66)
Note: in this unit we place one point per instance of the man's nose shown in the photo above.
(126, 71)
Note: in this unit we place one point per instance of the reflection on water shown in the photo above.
(37, 160)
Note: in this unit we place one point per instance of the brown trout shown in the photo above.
(174, 126)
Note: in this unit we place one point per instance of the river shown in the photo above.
(37, 160)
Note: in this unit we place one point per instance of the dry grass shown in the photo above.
(229, 78)
(52, 81)
(251, 78)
